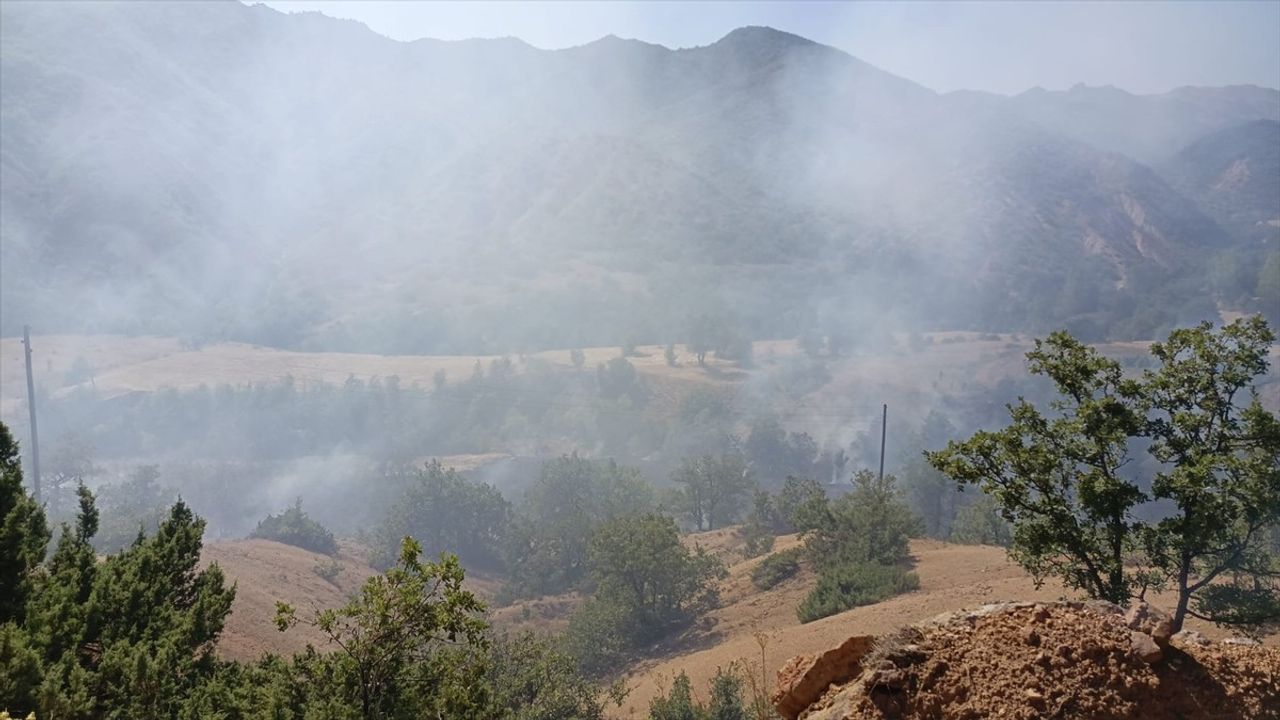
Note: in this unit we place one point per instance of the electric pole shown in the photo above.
(883, 432)
(31, 408)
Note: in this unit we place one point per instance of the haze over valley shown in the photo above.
(599, 379)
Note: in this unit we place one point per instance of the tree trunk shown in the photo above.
(1184, 596)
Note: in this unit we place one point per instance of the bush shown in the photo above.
(776, 568)
(725, 701)
(850, 586)
(648, 584)
(294, 527)
(328, 570)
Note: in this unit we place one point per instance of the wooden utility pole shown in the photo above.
(31, 408)
(883, 432)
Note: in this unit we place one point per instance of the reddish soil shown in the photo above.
(1054, 661)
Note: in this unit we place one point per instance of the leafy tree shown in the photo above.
(138, 504)
(532, 679)
(648, 583)
(447, 513)
(578, 358)
(715, 489)
(24, 533)
(980, 523)
(618, 378)
(670, 355)
(1222, 468)
(802, 503)
(389, 661)
(678, 703)
(762, 525)
(295, 527)
(725, 702)
(869, 524)
(1057, 479)
(547, 548)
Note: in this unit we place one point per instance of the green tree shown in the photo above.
(980, 523)
(1221, 458)
(676, 704)
(870, 524)
(137, 504)
(648, 583)
(131, 636)
(24, 533)
(390, 639)
(714, 490)
(446, 512)
(802, 503)
(1057, 479)
(548, 546)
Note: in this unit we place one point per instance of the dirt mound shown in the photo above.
(1035, 660)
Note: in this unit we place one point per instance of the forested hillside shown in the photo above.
(167, 167)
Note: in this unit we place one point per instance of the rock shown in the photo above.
(804, 679)
(1248, 642)
(1188, 638)
(887, 675)
(1144, 647)
(1149, 620)
(1103, 607)
(1031, 637)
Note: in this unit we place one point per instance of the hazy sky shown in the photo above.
(1003, 47)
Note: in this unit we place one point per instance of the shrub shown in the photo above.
(294, 527)
(328, 570)
(725, 701)
(776, 568)
(853, 585)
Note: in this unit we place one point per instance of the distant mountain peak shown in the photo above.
(763, 35)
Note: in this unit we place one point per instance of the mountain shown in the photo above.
(216, 170)
(1234, 176)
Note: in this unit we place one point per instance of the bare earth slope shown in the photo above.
(951, 577)
(266, 572)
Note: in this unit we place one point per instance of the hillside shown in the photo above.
(266, 572)
(1234, 175)
(166, 168)
(952, 577)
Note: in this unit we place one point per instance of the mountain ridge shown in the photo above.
(246, 156)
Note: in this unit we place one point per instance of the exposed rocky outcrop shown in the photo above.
(1035, 660)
